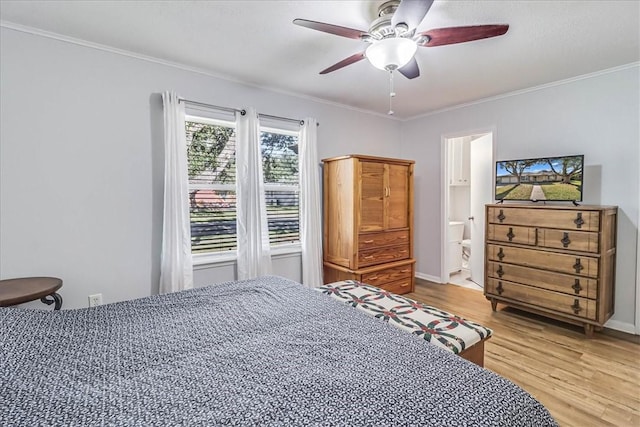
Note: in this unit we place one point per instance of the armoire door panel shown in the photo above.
(398, 197)
(372, 196)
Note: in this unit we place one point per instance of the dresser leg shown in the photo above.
(588, 330)
(494, 304)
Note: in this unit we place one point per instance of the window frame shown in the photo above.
(230, 256)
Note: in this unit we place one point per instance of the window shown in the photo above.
(211, 152)
(281, 185)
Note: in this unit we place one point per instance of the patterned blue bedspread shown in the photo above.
(257, 352)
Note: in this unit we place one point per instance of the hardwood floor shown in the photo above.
(583, 382)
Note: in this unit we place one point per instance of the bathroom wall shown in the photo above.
(459, 203)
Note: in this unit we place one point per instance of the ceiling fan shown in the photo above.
(393, 39)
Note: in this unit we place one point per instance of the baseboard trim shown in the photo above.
(617, 325)
(430, 278)
(621, 335)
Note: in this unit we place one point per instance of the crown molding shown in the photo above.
(202, 71)
(528, 90)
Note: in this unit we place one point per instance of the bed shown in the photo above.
(255, 352)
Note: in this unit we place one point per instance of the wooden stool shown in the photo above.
(25, 289)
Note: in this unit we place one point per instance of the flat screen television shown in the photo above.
(541, 179)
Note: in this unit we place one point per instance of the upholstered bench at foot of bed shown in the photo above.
(458, 335)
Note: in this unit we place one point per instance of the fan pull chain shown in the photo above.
(391, 93)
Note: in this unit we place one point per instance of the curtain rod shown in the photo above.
(217, 107)
(242, 112)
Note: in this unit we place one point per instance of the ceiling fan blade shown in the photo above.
(347, 61)
(411, 13)
(453, 35)
(332, 29)
(410, 70)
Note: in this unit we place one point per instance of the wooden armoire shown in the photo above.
(368, 221)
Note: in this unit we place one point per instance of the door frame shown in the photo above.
(444, 190)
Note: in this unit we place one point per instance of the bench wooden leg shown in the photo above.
(475, 353)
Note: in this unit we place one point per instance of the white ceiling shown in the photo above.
(255, 42)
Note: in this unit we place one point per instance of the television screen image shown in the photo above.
(541, 179)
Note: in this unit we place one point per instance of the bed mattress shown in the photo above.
(256, 352)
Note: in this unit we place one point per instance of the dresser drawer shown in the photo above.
(565, 283)
(399, 287)
(563, 263)
(389, 238)
(512, 234)
(563, 303)
(584, 241)
(564, 219)
(382, 255)
(388, 275)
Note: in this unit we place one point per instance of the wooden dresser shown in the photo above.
(368, 221)
(555, 261)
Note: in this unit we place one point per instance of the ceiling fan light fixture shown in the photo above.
(392, 53)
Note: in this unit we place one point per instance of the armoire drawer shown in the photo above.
(563, 263)
(584, 241)
(563, 219)
(399, 287)
(559, 282)
(382, 255)
(512, 234)
(388, 275)
(568, 304)
(387, 238)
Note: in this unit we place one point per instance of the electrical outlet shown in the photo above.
(95, 300)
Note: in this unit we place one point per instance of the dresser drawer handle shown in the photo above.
(500, 271)
(404, 285)
(403, 237)
(576, 286)
(405, 271)
(500, 254)
(404, 251)
(368, 241)
(373, 278)
(499, 288)
(369, 257)
(577, 266)
(501, 216)
(578, 221)
(510, 234)
(565, 240)
(576, 306)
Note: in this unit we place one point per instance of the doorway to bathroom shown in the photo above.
(468, 186)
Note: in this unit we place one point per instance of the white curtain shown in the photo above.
(176, 266)
(254, 253)
(310, 206)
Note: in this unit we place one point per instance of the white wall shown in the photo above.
(598, 116)
(81, 161)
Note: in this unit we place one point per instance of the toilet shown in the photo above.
(466, 253)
